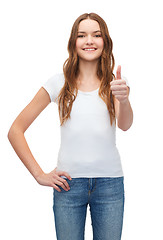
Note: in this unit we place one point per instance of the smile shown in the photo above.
(90, 49)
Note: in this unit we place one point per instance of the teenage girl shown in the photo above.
(91, 102)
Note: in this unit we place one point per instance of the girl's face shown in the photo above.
(89, 42)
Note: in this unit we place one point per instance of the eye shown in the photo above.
(80, 35)
(97, 35)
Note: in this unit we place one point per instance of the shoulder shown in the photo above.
(57, 78)
(54, 84)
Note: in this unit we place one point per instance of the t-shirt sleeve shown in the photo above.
(53, 86)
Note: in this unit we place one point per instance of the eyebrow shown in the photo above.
(93, 32)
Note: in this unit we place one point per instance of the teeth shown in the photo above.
(89, 49)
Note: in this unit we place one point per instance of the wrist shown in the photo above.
(38, 175)
(124, 102)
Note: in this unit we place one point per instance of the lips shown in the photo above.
(89, 49)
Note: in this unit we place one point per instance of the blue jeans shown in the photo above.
(105, 196)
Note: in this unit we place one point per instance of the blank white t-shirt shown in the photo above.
(88, 141)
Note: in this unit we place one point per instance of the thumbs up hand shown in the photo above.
(119, 87)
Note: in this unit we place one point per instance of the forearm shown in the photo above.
(125, 115)
(19, 144)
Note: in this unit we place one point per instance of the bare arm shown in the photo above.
(123, 110)
(20, 125)
(19, 143)
(124, 114)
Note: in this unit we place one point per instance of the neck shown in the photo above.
(87, 71)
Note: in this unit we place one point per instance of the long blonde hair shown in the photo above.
(105, 68)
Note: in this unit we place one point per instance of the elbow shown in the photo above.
(10, 133)
(125, 128)
(14, 130)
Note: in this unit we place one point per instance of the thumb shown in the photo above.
(118, 72)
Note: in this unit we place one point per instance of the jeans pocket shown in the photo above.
(112, 188)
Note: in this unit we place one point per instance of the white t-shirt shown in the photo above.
(88, 141)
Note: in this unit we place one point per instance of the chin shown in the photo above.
(89, 58)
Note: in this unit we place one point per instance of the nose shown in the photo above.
(89, 39)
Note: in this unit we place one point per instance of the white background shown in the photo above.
(33, 47)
